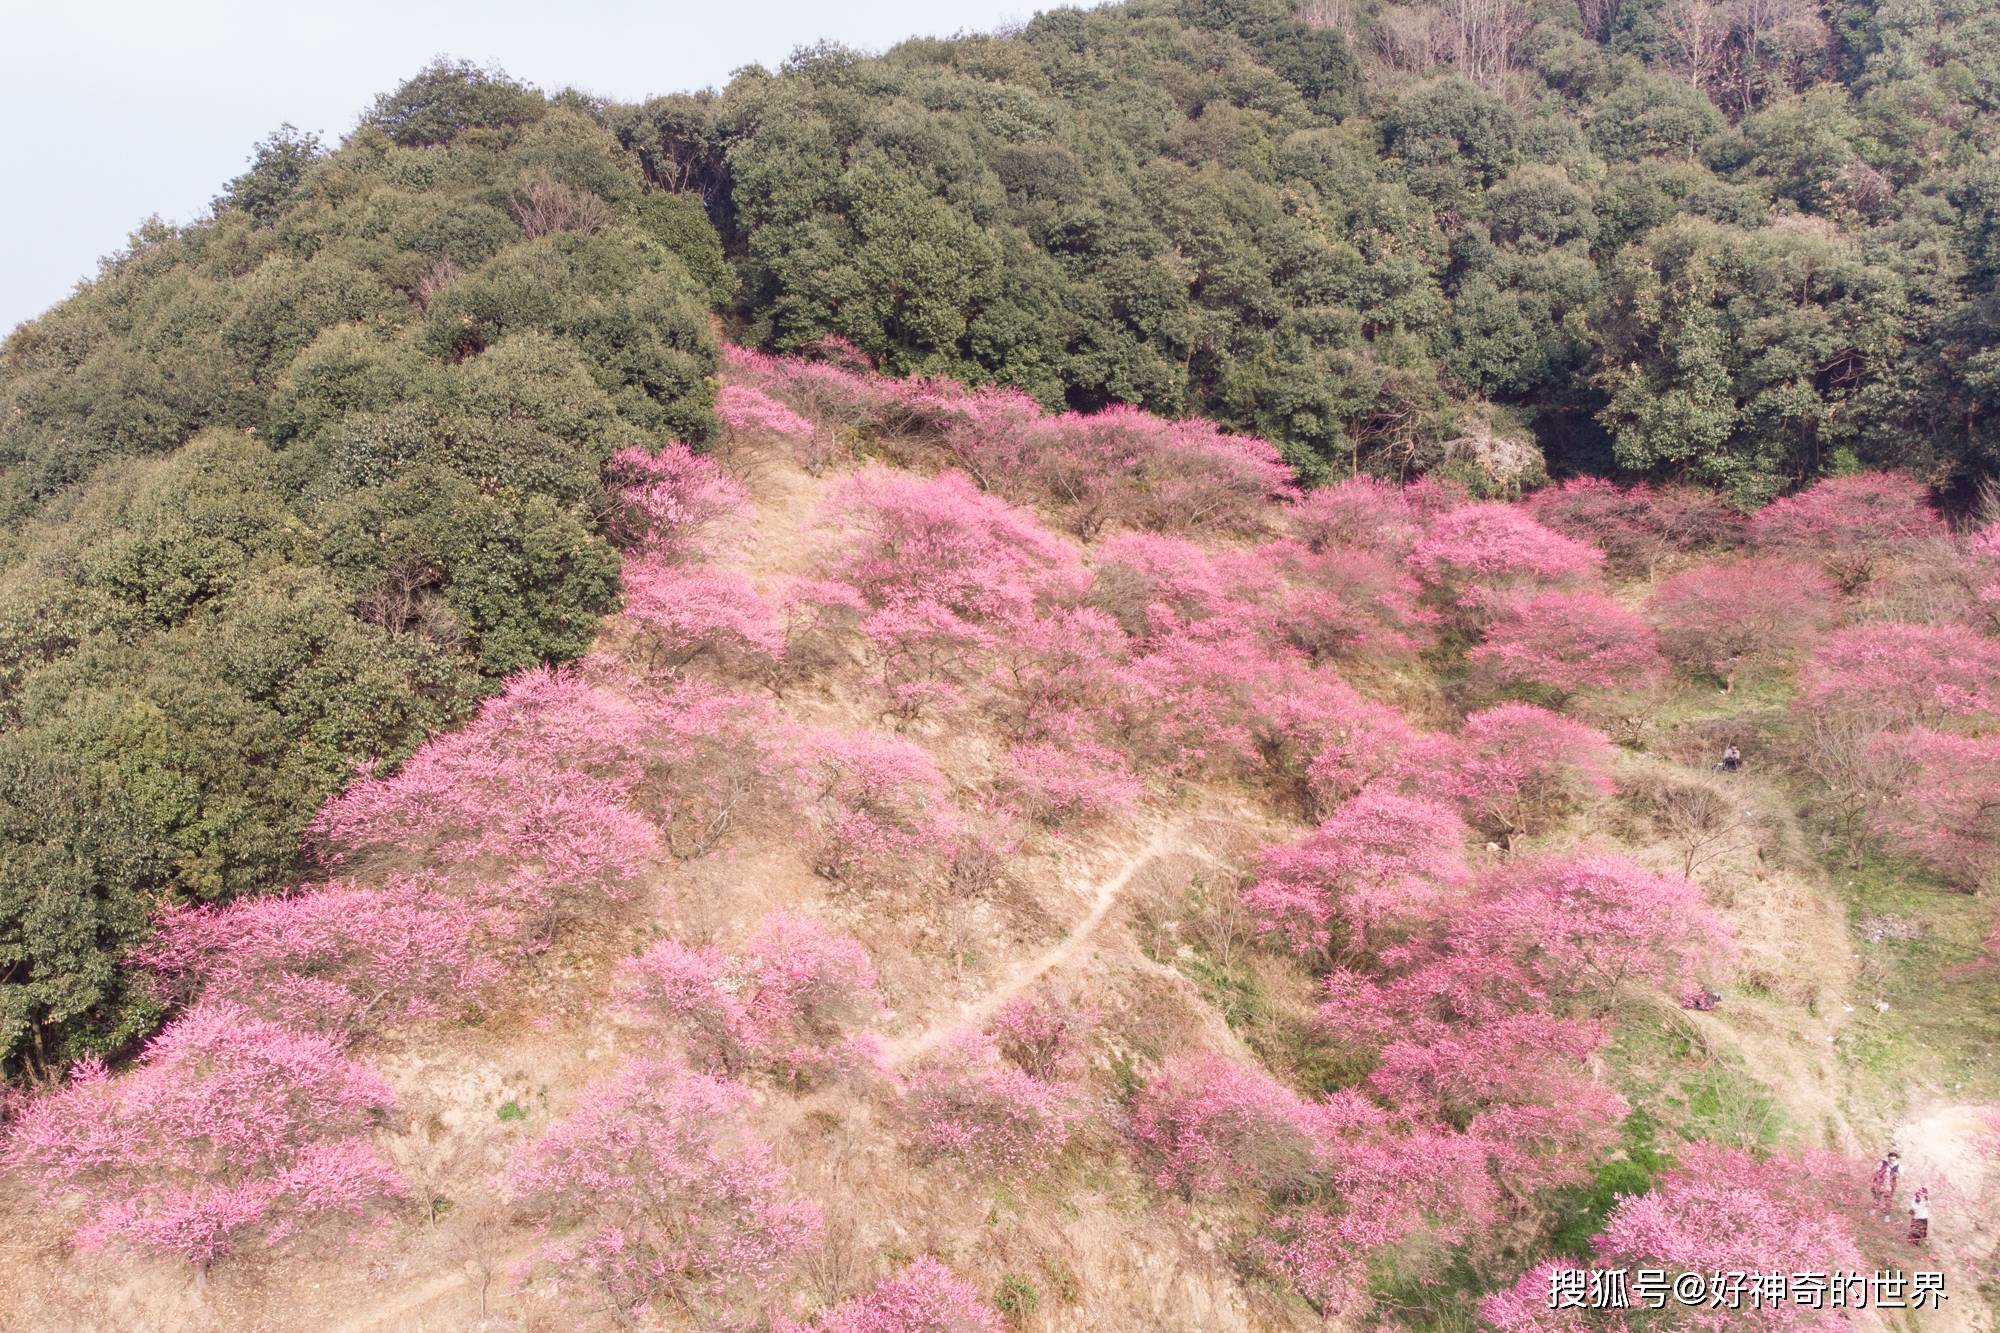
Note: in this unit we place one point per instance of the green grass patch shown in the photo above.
(1017, 1299)
(1689, 1090)
(1577, 1215)
(1921, 947)
(1234, 991)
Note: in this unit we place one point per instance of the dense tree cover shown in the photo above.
(288, 488)
(1739, 245)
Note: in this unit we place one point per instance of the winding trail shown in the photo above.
(393, 1311)
(390, 1312)
(1019, 978)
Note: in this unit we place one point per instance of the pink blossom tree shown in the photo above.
(1718, 1211)
(939, 540)
(1637, 526)
(339, 960)
(926, 1297)
(1410, 1189)
(1358, 513)
(879, 805)
(1563, 643)
(230, 1130)
(1064, 785)
(1205, 1124)
(527, 810)
(1350, 606)
(1516, 769)
(667, 501)
(1044, 1036)
(964, 1104)
(1191, 704)
(1590, 925)
(792, 1003)
(656, 1194)
(744, 409)
(1379, 861)
(1848, 523)
(1472, 558)
(1056, 674)
(1487, 1019)
(1124, 467)
(679, 613)
(1326, 742)
(1895, 674)
(1154, 585)
(1941, 801)
(1753, 615)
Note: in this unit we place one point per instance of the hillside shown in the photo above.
(1063, 679)
(291, 487)
(1157, 900)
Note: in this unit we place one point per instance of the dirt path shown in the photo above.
(1945, 1147)
(974, 1013)
(393, 1311)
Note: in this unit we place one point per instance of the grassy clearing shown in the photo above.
(1681, 1087)
(1921, 948)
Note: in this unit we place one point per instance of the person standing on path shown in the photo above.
(1920, 1217)
(1882, 1186)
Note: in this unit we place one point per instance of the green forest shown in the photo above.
(288, 488)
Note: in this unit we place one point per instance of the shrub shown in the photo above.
(1566, 642)
(1892, 674)
(1205, 1124)
(789, 1004)
(340, 960)
(229, 1129)
(1379, 860)
(962, 1104)
(926, 1297)
(821, 616)
(1759, 614)
(543, 206)
(659, 1195)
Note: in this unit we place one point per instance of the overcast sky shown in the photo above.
(110, 112)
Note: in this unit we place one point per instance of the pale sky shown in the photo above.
(115, 110)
